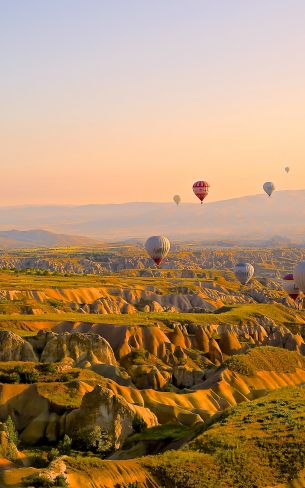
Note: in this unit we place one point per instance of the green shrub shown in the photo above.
(64, 378)
(64, 446)
(9, 377)
(139, 424)
(61, 481)
(94, 440)
(11, 431)
(47, 368)
(37, 481)
(53, 454)
(140, 356)
(40, 460)
(25, 375)
(29, 377)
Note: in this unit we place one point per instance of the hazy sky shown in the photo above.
(132, 100)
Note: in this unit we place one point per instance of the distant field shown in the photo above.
(231, 315)
(23, 281)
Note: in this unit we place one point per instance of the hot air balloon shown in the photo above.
(299, 276)
(177, 199)
(287, 169)
(290, 287)
(201, 189)
(157, 247)
(269, 188)
(244, 272)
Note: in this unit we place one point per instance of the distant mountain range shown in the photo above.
(254, 217)
(14, 239)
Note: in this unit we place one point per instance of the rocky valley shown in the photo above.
(103, 375)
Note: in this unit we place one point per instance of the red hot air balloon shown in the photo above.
(290, 287)
(201, 189)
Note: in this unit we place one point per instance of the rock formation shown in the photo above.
(14, 348)
(84, 349)
(111, 412)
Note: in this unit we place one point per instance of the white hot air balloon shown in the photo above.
(157, 248)
(299, 276)
(269, 188)
(177, 199)
(287, 169)
(244, 272)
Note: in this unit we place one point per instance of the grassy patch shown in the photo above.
(232, 315)
(84, 463)
(29, 372)
(182, 470)
(67, 395)
(268, 433)
(265, 359)
(167, 432)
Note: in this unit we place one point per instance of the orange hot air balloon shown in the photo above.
(201, 189)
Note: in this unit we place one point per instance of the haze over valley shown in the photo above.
(255, 217)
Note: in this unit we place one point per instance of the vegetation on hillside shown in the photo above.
(265, 359)
(268, 433)
(162, 351)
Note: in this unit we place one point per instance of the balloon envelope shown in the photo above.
(244, 272)
(287, 169)
(201, 189)
(177, 199)
(269, 187)
(290, 287)
(299, 276)
(157, 248)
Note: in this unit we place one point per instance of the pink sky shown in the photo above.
(133, 101)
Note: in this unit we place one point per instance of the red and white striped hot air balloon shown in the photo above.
(290, 287)
(201, 189)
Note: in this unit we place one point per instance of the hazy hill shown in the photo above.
(40, 238)
(254, 217)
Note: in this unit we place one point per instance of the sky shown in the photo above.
(133, 100)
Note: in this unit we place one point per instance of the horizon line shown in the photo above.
(169, 202)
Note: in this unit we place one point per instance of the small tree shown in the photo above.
(12, 439)
(95, 440)
(64, 446)
(11, 431)
(53, 454)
